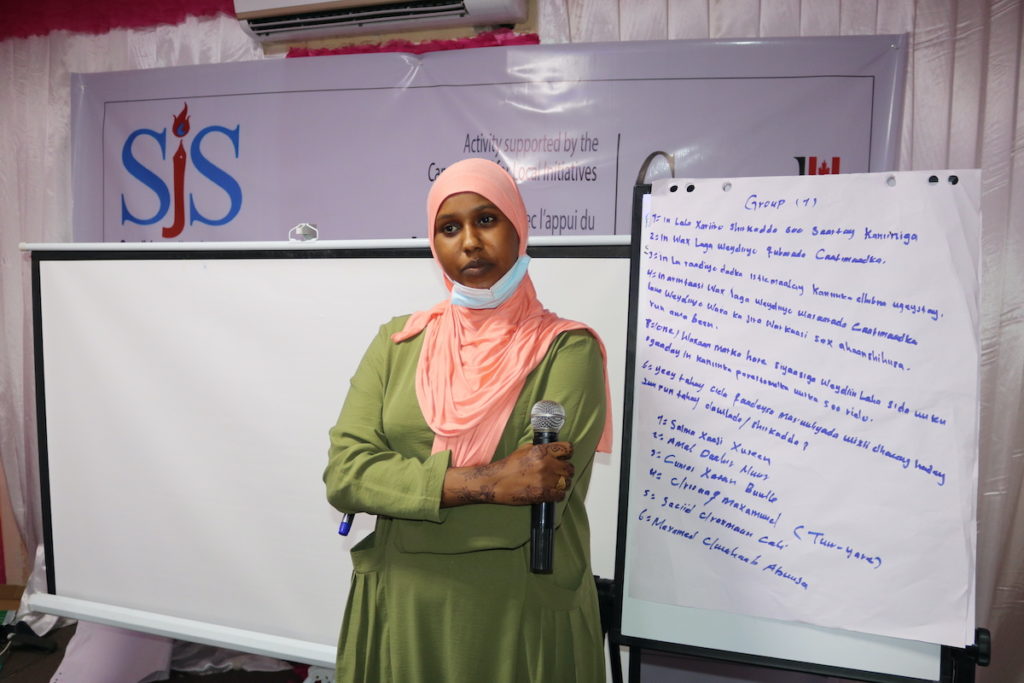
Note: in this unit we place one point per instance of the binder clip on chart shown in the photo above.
(303, 232)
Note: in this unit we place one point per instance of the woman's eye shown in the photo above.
(448, 228)
(486, 219)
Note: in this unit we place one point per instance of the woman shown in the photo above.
(435, 438)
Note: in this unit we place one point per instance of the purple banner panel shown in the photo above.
(351, 143)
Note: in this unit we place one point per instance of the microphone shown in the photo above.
(546, 418)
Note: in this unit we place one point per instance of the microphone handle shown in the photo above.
(542, 531)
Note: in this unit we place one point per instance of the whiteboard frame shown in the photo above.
(167, 623)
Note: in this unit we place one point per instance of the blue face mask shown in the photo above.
(470, 297)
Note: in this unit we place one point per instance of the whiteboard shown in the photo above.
(185, 397)
(783, 393)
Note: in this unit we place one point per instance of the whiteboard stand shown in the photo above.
(955, 665)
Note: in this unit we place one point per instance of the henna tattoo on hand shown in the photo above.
(559, 450)
(526, 463)
(483, 494)
(530, 494)
(483, 471)
(462, 495)
(486, 493)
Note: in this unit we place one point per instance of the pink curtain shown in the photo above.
(3, 564)
(35, 200)
(498, 38)
(40, 17)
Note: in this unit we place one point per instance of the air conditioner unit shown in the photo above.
(278, 20)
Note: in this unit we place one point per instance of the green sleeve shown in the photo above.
(574, 378)
(364, 474)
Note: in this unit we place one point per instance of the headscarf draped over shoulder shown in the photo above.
(475, 362)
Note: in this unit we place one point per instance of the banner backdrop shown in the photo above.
(351, 143)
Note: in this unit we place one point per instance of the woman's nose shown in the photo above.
(470, 238)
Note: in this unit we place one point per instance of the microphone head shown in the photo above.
(547, 416)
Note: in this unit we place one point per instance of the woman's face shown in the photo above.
(474, 241)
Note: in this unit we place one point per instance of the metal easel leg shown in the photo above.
(964, 660)
(634, 664)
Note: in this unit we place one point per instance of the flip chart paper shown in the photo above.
(806, 400)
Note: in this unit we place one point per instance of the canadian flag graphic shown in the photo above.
(816, 166)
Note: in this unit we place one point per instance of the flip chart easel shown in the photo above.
(800, 429)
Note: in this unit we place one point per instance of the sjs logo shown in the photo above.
(152, 178)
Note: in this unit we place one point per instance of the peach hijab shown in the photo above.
(475, 362)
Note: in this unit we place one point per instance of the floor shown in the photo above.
(30, 665)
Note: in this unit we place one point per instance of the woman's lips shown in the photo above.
(476, 267)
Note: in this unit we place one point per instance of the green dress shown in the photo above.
(446, 595)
